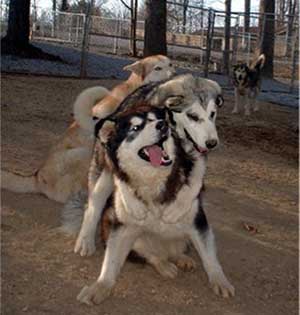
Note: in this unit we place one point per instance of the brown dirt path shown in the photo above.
(252, 181)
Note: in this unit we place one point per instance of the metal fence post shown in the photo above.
(295, 54)
(85, 41)
(208, 41)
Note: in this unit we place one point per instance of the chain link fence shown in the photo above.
(195, 36)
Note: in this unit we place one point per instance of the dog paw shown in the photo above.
(256, 109)
(185, 263)
(166, 269)
(235, 111)
(94, 294)
(221, 286)
(85, 246)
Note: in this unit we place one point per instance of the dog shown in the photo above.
(64, 172)
(178, 90)
(158, 178)
(247, 80)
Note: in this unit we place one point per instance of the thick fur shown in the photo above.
(65, 170)
(157, 209)
(247, 81)
(178, 95)
(154, 214)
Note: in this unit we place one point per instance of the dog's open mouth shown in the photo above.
(202, 151)
(155, 154)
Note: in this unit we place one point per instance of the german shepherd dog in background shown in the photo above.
(157, 183)
(247, 81)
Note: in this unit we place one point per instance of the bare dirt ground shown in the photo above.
(251, 201)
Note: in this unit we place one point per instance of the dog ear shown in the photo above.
(259, 63)
(175, 103)
(219, 101)
(137, 68)
(107, 131)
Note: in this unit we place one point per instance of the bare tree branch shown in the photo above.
(126, 5)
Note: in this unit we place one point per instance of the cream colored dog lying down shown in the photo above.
(65, 169)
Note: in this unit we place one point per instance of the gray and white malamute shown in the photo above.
(247, 80)
(157, 157)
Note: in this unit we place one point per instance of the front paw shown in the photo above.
(221, 286)
(85, 245)
(94, 294)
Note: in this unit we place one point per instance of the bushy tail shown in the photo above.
(18, 183)
(259, 62)
(84, 103)
(72, 213)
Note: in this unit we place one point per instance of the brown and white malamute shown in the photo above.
(247, 80)
(157, 159)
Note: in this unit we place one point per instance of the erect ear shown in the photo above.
(137, 68)
(107, 131)
(175, 103)
(260, 61)
(175, 94)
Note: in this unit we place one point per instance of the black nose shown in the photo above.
(162, 126)
(210, 144)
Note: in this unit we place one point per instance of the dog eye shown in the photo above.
(158, 68)
(136, 128)
(212, 115)
(193, 117)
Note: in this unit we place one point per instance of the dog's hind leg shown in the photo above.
(85, 243)
(236, 101)
(119, 244)
(202, 238)
(156, 253)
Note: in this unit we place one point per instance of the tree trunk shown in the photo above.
(291, 17)
(226, 53)
(266, 29)
(16, 41)
(247, 16)
(155, 28)
(185, 8)
(18, 23)
(64, 5)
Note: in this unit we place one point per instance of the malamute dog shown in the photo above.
(157, 179)
(65, 170)
(247, 80)
(180, 90)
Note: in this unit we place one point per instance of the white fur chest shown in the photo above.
(168, 220)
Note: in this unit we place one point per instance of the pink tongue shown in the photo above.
(155, 155)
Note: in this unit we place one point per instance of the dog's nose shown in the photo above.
(162, 126)
(210, 144)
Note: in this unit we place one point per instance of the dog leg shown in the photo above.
(247, 105)
(237, 101)
(85, 243)
(255, 105)
(119, 244)
(203, 240)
